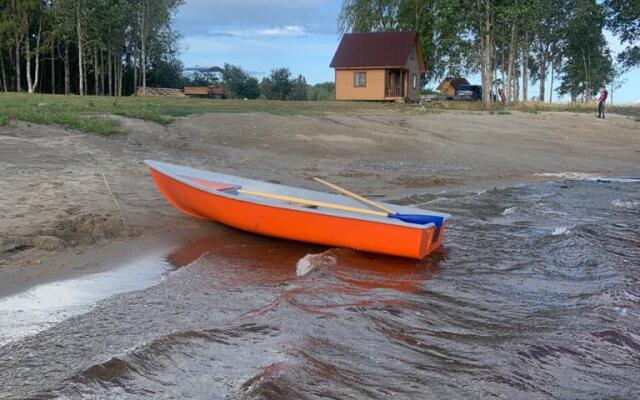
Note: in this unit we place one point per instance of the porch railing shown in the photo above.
(394, 92)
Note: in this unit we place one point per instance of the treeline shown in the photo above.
(512, 43)
(280, 84)
(98, 47)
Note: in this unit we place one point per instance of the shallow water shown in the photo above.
(535, 294)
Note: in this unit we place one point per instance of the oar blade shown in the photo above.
(419, 219)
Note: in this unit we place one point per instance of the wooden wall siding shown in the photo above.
(374, 90)
(413, 67)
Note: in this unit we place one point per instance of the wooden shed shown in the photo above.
(449, 85)
(379, 66)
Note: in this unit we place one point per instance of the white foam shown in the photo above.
(561, 230)
(46, 305)
(626, 204)
(581, 176)
(311, 261)
(569, 175)
(509, 210)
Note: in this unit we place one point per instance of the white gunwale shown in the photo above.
(182, 174)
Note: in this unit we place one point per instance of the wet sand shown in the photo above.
(74, 203)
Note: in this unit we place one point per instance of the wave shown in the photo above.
(312, 261)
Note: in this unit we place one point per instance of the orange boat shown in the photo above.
(297, 214)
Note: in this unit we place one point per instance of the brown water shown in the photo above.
(535, 294)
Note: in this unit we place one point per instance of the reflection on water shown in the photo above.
(539, 302)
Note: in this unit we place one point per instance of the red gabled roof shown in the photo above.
(374, 49)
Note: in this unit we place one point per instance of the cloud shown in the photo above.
(287, 31)
(199, 16)
(260, 35)
(284, 31)
(221, 34)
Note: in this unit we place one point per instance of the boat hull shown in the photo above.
(300, 224)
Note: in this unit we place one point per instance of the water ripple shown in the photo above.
(506, 309)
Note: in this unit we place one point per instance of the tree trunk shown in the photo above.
(4, 76)
(512, 61)
(119, 67)
(115, 74)
(543, 76)
(516, 84)
(143, 55)
(120, 74)
(67, 73)
(12, 76)
(116, 77)
(95, 72)
(27, 55)
(53, 68)
(611, 97)
(486, 56)
(80, 59)
(589, 87)
(525, 68)
(110, 72)
(101, 72)
(135, 74)
(551, 85)
(586, 76)
(35, 84)
(17, 60)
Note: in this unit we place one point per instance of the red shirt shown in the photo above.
(603, 96)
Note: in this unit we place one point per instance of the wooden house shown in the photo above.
(379, 66)
(449, 85)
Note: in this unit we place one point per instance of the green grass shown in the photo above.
(500, 112)
(92, 113)
(532, 107)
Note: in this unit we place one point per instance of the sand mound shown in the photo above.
(48, 243)
(90, 228)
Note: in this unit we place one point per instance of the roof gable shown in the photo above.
(453, 82)
(375, 49)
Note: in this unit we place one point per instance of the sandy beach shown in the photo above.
(72, 202)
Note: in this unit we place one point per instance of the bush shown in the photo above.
(426, 91)
(299, 91)
(238, 84)
(278, 86)
(322, 91)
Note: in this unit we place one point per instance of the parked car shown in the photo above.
(469, 93)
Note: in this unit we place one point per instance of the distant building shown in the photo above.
(379, 66)
(449, 85)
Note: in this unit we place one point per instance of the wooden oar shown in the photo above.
(354, 196)
(298, 200)
(411, 218)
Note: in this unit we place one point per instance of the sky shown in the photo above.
(260, 35)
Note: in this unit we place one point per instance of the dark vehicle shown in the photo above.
(469, 93)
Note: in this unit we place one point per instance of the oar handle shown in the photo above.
(311, 202)
(354, 196)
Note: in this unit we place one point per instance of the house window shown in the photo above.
(415, 81)
(359, 79)
(413, 53)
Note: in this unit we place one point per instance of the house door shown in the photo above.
(394, 83)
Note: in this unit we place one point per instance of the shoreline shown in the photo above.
(74, 262)
(60, 221)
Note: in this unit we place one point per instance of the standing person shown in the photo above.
(602, 101)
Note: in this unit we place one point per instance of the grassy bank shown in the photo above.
(92, 113)
(533, 107)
